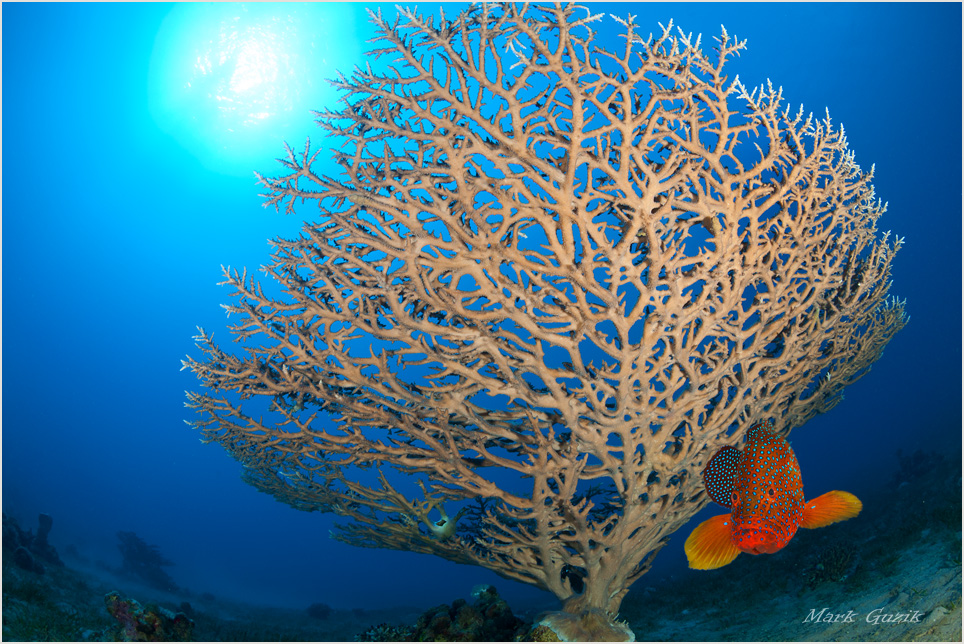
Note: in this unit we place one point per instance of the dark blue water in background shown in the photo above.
(122, 197)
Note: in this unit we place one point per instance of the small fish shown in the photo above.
(762, 486)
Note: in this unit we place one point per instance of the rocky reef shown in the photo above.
(487, 619)
(27, 550)
(149, 623)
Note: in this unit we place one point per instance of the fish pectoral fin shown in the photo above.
(710, 545)
(829, 508)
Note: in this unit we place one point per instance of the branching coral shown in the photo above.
(554, 277)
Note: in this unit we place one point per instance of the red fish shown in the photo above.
(762, 487)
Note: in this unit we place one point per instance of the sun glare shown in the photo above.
(231, 81)
(249, 73)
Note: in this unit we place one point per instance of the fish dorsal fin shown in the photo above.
(829, 508)
(719, 473)
(710, 545)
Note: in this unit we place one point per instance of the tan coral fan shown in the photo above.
(606, 264)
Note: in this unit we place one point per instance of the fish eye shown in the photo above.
(771, 492)
(735, 497)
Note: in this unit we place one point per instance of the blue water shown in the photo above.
(124, 190)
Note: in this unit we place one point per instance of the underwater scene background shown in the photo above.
(132, 135)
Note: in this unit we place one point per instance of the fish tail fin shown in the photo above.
(829, 508)
(710, 546)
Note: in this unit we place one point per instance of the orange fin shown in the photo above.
(710, 545)
(829, 508)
